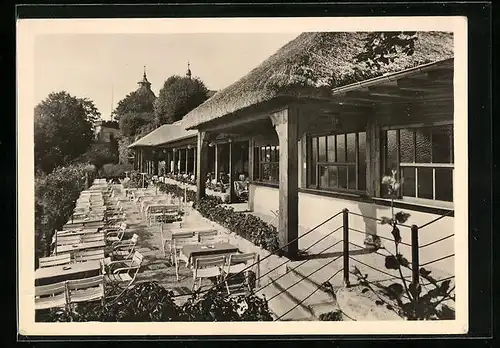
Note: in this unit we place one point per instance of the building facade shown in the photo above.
(316, 136)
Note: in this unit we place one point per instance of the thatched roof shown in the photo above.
(165, 134)
(310, 64)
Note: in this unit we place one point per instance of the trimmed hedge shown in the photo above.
(55, 197)
(247, 226)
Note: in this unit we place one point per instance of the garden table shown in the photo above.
(61, 249)
(78, 231)
(55, 274)
(191, 251)
(87, 220)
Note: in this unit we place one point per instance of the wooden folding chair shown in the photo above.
(241, 263)
(206, 267)
(85, 290)
(68, 240)
(116, 235)
(207, 237)
(89, 255)
(178, 241)
(50, 296)
(123, 272)
(93, 237)
(124, 248)
(56, 260)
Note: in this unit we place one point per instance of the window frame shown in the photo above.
(314, 170)
(259, 163)
(416, 165)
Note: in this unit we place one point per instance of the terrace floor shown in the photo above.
(157, 266)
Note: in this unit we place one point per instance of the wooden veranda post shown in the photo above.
(174, 161)
(194, 162)
(232, 197)
(201, 165)
(216, 162)
(286, 125)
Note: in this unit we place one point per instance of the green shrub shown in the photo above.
(55, 197)
(110, 170)
(331, 316)
(150, 302)
(247, 226)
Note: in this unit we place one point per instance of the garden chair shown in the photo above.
(177, 242)
(56, 260)
(85, 290)
(206, 267)
(124, 248)
(240, 263)
(89, 255)
(116, 235)
(68, 240)
(207, 237)
(50, 296)
(121, 274)
(94, 237)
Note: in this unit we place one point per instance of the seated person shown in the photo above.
(241, 187)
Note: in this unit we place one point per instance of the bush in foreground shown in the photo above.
(150, 302)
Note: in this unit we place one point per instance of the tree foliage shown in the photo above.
(93, 114)
(381, 48)
(132, 123)
(137, 102)
(110, 124)
(123, 151)
(62, 129)
(99, 155)
(178, 96)
(134, 111)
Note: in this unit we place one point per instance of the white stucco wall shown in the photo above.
(314, 209)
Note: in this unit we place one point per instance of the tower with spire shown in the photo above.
(188, 72)
(144, 83)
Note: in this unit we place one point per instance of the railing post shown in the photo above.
(414, 255)
(345, 215)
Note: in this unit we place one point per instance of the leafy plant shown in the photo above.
(55, 197)
(382, 48)
(247, 226)
(331, 316)
(407, 298)
(150, 302)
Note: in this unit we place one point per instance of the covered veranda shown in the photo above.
(420, 95)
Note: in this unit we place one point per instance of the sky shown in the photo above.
(106, 67)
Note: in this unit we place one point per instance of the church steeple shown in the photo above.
(144, 83)
(188, 72)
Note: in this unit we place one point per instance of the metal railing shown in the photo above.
(414, 265)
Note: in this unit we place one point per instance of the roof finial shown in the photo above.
(188, 72)
(144, 72)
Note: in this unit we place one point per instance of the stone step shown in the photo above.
(280, 303)
(312, 298)
(318, 271)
